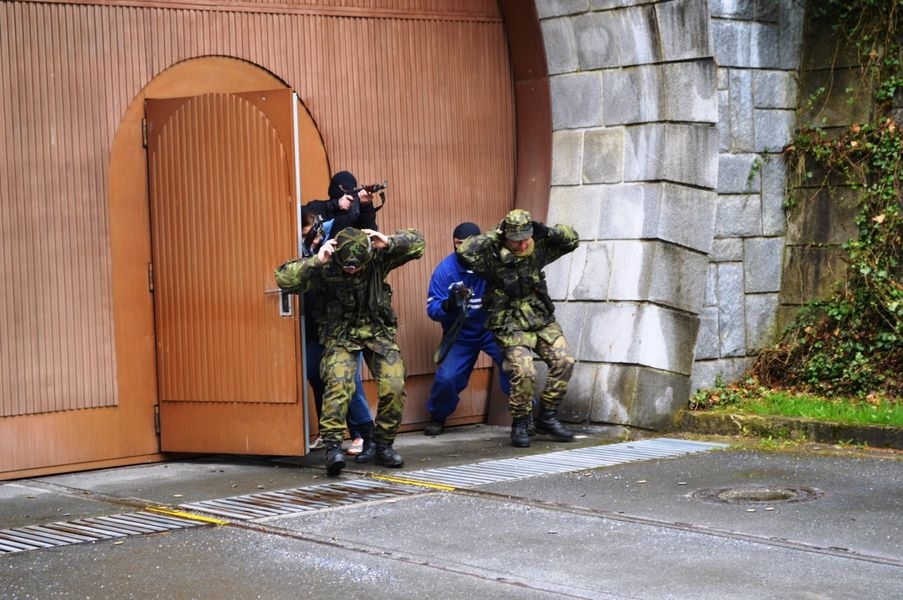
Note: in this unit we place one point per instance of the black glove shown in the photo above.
(457, 295)
(540, 230)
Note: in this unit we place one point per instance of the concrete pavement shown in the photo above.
(605, 517)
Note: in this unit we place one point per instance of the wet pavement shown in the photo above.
(469, 516)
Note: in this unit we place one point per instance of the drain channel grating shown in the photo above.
(327, 495)
(64, 533)
(273, 504)
(495, 471)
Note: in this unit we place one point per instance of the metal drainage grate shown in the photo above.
(272, 504)
(566, 461)
(753, 495)
(64, 533)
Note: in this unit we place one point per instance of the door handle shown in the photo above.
(286, 309)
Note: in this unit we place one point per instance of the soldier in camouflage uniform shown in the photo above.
(522, 317)
(349, 272)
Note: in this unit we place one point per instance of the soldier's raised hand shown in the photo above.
(377, 239)
(326, 250)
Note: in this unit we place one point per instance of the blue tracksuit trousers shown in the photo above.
(453, 374)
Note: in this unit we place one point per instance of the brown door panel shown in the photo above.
(221, 178)
(237, 428)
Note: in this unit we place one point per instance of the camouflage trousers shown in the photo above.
(337, 370)
(551, 346)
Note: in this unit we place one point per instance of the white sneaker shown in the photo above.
(317, 444)
(357, 446)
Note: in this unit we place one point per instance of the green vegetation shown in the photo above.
(748, 397)
(841, 359)
(851, 344)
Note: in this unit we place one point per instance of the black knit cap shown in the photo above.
(465, 230)
(341, 183)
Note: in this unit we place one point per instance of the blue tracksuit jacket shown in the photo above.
(454, 372)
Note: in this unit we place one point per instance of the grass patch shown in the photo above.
(882, 412)
(749, 398)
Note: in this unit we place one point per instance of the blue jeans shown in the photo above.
(453, 374)
(358, 410)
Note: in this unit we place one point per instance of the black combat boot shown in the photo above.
(520, 431)
(434, 427)
(369, 450)
(547, 422)
(335, 460)
(387, 456)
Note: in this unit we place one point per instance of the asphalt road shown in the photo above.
(469, 516)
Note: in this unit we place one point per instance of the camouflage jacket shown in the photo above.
(356, 309)
(517, 298)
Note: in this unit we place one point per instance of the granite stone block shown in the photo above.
(597, 44)
(603, 155)
(761, 321)
(556, 8)
(738, 215)
(762, 262)
(576, 100)
(731, 318)
(684, 29)
(560, 43)
(707, 342)
(677, 152)
(567, 156)
(643, 334)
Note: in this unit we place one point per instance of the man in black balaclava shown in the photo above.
(455, 300)
(346, 206)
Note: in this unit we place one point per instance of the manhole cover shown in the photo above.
(763, 494)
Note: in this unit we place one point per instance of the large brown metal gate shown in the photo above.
(426, 94)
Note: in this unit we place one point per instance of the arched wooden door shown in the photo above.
(224, 182)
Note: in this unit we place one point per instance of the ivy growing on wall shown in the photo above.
(852, 342)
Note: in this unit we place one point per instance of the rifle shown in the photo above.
(370, 189)
(462, 297)
(315, 229)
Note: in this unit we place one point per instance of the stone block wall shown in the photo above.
(668, 122)
(757, 46)
(635, 171)
(814, 262)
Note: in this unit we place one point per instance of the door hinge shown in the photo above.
(144, 133)
(157, 419)
(150, 277)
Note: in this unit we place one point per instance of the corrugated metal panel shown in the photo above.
(481, 9)
(438, 123)
(57, 351)
(221, 221)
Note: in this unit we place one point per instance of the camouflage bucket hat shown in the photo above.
(352, 248)
(517, 225)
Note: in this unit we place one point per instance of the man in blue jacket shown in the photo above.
(455, 300)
